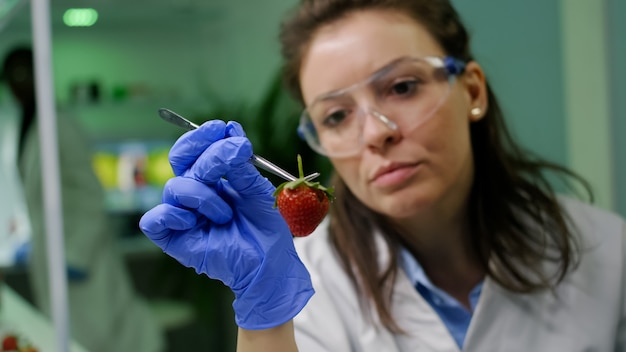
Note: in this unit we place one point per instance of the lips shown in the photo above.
(389, 169)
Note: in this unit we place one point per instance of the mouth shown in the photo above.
(394, 173)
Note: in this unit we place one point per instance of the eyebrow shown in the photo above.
(334, 93)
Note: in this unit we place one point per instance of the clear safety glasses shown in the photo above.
(401, 95)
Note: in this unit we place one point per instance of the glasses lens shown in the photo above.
(407, 92)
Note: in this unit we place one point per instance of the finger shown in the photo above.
(245, 179)
(219, 157)
(189, 193)
(159, 222)
(192, 144)
(248, 182)
(230, 158)
(234, 129)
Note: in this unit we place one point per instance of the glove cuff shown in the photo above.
(273, 299)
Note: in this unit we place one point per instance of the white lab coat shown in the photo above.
(589, 314)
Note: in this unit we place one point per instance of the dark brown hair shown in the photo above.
(517, 223)
(18, 72)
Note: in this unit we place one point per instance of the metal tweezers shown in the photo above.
(260, 162)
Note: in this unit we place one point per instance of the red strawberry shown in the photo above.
(9, 343)
(303, 204)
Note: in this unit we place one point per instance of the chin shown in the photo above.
(404, 204)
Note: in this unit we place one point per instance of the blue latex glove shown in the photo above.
(217, 217)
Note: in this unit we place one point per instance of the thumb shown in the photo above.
(192, 144)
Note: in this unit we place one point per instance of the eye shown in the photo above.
(405, 87)
(335, 118)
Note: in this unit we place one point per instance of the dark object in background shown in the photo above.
(85, 92)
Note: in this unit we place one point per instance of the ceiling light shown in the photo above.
(80, 17)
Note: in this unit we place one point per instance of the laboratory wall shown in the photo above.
(555, 67)
(518, 44)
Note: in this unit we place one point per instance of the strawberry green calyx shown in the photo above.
(301, 181)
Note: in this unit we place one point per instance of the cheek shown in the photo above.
(348, 170)
(446, 142)
(448, 130)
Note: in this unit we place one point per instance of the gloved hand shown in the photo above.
(217, 217)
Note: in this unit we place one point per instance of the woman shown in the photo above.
(444, 235)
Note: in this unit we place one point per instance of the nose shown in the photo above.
(379, 131)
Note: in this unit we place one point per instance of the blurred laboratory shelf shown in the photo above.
(172, 314)
(137, 245)
(119, 121)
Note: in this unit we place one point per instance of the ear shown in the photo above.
(476, 91)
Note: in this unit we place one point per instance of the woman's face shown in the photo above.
(398, 173)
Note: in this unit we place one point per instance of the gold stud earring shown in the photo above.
(476, 112)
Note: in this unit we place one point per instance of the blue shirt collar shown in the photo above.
(417, 276)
